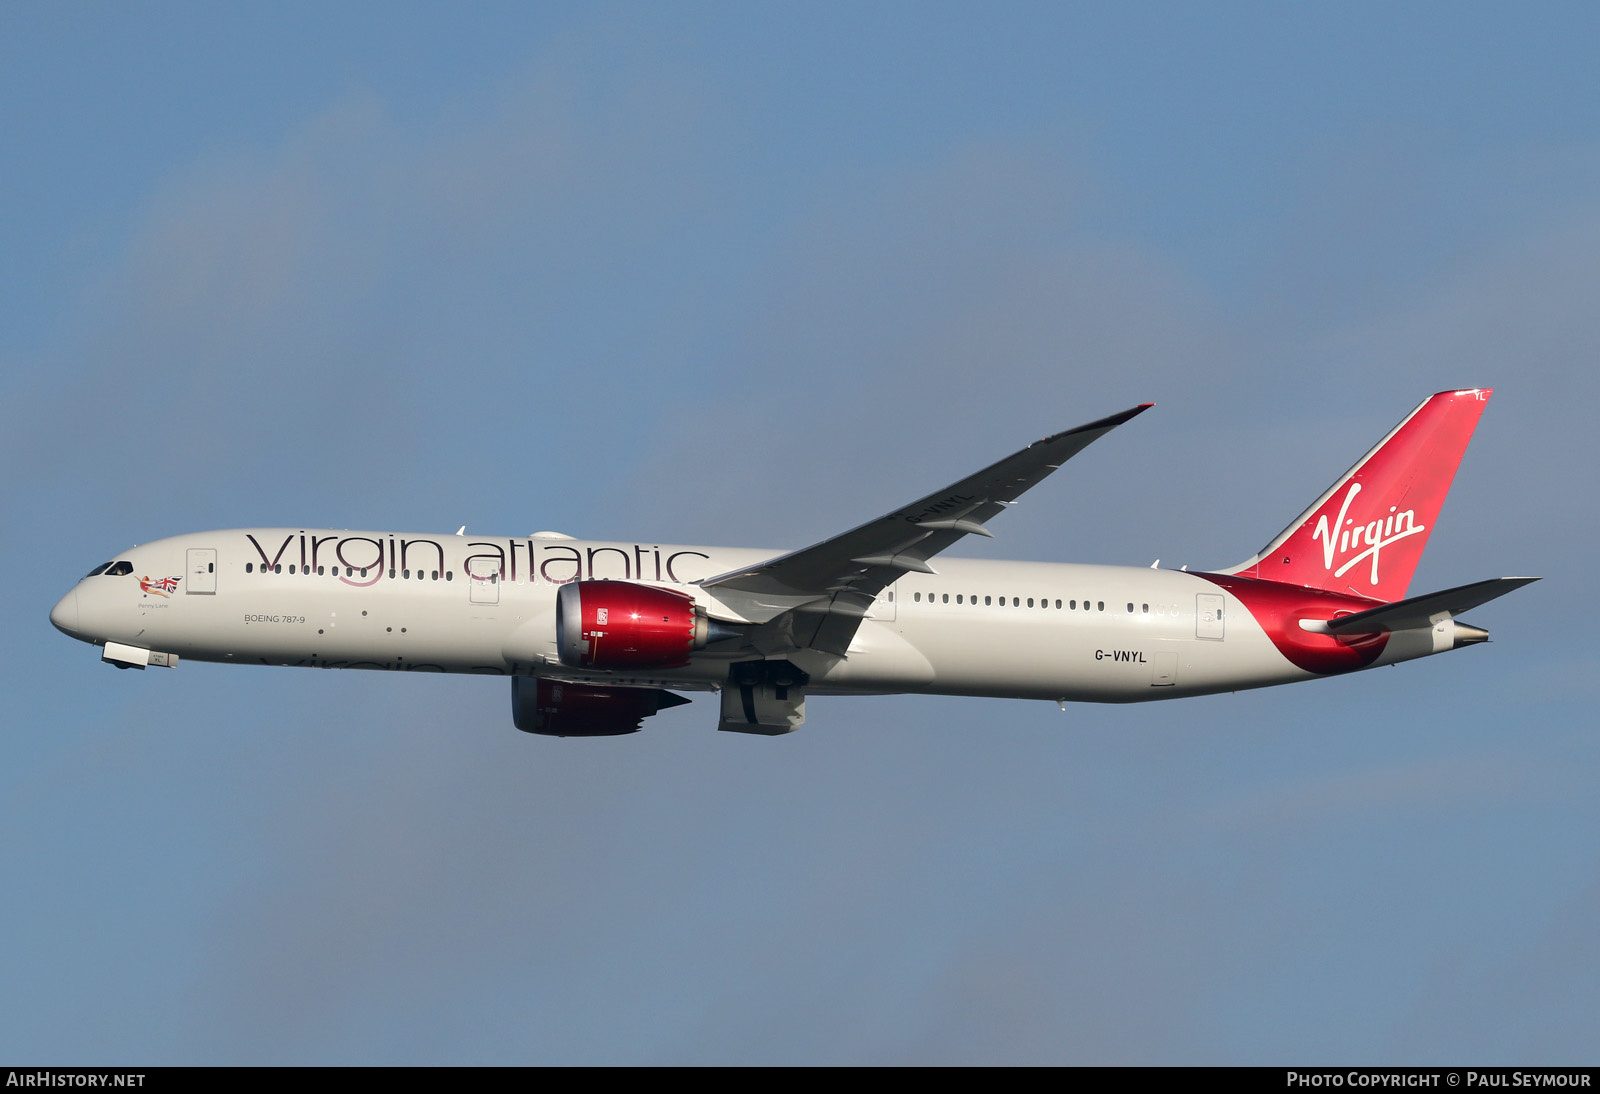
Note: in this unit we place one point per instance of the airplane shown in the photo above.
(595, 636)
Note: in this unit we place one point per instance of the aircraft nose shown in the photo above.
(65, 614)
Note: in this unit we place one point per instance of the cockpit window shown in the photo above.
(98, 570)
(119, 569)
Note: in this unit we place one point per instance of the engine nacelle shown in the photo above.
(557, 709)
(620, 625)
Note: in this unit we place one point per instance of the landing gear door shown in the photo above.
(765, 697)
(200, 570)
(1208, 622)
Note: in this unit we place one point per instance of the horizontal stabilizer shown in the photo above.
(1426, 610)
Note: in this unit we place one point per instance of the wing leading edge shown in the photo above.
(825, 590)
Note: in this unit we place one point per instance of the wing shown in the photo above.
(835, 581)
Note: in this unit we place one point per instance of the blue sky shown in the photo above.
(750, 274)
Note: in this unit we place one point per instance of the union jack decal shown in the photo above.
(164, 586)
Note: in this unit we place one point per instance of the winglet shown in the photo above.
(1109, 422)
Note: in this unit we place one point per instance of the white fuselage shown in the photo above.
(451, 603)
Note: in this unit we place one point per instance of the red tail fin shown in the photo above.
(1366, 534)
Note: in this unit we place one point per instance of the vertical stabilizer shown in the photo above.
(1366, 534)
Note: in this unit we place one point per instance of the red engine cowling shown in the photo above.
(620, 625)
(557, 709)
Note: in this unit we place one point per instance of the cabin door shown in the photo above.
(483, 579)
(200, 570)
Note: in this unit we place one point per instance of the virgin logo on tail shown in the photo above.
(1345, 535)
